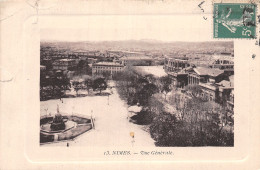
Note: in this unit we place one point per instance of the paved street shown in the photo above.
(112, 127)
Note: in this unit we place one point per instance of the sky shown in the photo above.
(173, 27)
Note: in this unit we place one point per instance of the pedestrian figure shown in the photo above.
(132, 134)
(68, 144)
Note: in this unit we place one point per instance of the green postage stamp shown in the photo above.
(234, 20)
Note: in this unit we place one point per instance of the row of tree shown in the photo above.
(167, 130)
(82, 68)
(193, 122)
(138, 89)
(54, 84)
(95, 83)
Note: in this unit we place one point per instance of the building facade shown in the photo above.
(204, 75)
(179, 79)
(107, 67)
(225, 63)
(64, 64)
(226, 93)
(175, 64)
(209, 91)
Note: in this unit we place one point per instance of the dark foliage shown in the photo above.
(165, 87)
(99, 84)
(167, 130)
(53, 85)
(143, 118)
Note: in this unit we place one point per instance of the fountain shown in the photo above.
(58, 122)
(60, 127)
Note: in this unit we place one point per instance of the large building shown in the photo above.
(210, 81)
(107, 67)
(203, 75)
(84, 55)
(180, 78)
(226, 92)
(64, 64)
(209, 91)
(178, 69)
(217, 87)
(206, 79)
(175, 64)
(222, 92)
(223, 62)
(91, 60)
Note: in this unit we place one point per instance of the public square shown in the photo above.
(112, 126)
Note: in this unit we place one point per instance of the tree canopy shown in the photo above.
(99, 84)
(165, 85)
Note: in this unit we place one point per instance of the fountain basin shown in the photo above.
(46, 128)
(73, 126)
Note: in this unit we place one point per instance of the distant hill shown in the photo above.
(144, 45)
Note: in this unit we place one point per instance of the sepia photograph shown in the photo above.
(147, 93)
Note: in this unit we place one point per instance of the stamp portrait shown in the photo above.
(234, 20)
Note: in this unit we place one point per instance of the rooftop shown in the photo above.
(179, 58)
(175, 74)
(136, 58)
(65, 59)
(223, 57)
(107, 64)
(227, 84)
(208, 71)
(208, 86)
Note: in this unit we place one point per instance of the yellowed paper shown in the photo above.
(159, 30)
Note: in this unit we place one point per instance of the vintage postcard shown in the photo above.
(129, 83)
